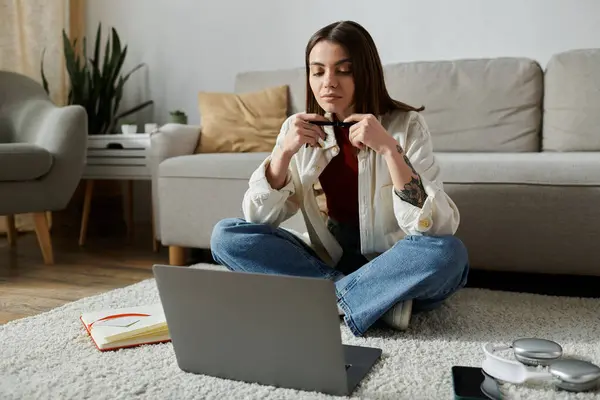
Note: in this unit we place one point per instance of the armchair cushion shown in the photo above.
(23, 161)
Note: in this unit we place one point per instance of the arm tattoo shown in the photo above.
(413, 191)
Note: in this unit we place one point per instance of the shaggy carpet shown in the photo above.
(50, 356)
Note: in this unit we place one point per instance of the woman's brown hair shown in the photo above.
(370, 93)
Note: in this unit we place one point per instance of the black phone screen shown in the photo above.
(467, 383)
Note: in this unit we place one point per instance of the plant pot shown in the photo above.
(128, 129)
(179, 119)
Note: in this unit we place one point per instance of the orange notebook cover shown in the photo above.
(126, 327)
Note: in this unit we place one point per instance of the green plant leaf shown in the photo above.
(69, 56)
(97, 44)
(117, 59)
(84, 50)
(134, 109)
(118, 55)
(44, 80)
(137, 67)
(105, 65)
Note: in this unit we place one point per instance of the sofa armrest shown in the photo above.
(170, 140)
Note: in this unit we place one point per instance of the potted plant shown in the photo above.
(178, 117)
(97, 84)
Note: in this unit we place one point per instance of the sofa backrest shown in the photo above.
(20, 96)
(572, 101)
(490, 105)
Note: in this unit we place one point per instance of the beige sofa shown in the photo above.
(519, 147)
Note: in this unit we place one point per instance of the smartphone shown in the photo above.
(468, 384)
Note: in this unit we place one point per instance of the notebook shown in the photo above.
(126, 327)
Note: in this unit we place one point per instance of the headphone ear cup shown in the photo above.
(533, 362)
(575, 375)
(534, 352)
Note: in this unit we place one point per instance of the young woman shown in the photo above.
(388, 242)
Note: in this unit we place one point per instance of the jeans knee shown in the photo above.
(442, 255)
(453, 247)
(453, 254)
(221, 238)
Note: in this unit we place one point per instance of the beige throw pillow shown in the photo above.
(241, 122)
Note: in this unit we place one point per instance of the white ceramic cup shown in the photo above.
(129, 129)
(149, 128)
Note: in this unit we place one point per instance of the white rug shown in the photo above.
(50, 356)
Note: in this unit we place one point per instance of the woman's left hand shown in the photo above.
(368, 132)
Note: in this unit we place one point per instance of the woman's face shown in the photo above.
(331, 78)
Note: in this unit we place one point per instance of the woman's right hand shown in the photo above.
(301, 132)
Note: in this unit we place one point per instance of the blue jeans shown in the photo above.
(425, 269)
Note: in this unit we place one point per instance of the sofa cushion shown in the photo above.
(472, 168)
(563, 169)
(293, 78)
(23, 162)
(572, 102)
(222, 165)
(491, 105)
(241, 122)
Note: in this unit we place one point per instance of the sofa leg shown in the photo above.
(43, 235)
(11, 230)
(176, 255)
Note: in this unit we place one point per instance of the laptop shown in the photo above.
(272, 330)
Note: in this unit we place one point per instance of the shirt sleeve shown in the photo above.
(262, 203)
(439, 214)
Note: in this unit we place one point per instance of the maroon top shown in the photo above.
(339, 181)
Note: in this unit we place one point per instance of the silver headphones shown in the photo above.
(568, 374)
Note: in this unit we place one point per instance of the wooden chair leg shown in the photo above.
(176, 255)
(43, 235)
(11, 230)
(49, 218)
(87, 203)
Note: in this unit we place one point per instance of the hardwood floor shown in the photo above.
(29, 287)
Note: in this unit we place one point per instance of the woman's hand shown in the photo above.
(369, 132)
(407, 182)
(301, 132)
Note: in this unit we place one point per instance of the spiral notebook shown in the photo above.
(126, 327)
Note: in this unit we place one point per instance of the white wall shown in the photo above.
(194, 45)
